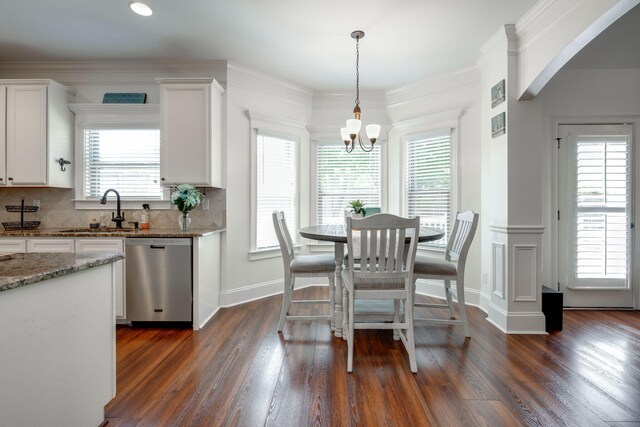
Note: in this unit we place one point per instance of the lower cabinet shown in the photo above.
(109, 245)
(77, 245)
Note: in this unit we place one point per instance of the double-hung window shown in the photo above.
(343, 177)
(429, 181)
(276, 186)
(127, 159)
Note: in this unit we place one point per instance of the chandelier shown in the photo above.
(352, 130)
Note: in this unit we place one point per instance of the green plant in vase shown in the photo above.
(357, 207)
(186, 198)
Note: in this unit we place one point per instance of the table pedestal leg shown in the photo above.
(339, 254)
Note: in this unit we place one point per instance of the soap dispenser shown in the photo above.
(145, 217)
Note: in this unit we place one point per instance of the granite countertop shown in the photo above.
(25, 269)
(111, 232)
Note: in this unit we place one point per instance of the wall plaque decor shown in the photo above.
(124, 98)
(498, 125)
(497, 93)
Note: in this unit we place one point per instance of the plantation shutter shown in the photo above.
(343, 177)
(602, 201)
(276, 187)
(125, 159)
(428, 181)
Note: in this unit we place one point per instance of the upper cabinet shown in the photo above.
(190, 132)
(36, 130)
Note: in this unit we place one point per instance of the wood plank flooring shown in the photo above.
(238, 371)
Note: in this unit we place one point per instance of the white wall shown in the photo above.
(243, 279)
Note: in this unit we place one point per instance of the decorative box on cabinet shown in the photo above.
(36, 130)
(190, 131)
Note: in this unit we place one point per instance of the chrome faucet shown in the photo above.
(119, 218)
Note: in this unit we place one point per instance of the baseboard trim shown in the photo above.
(525, 323)
(435, 289)
(207, 319)
(262, 290)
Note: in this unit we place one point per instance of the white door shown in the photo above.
(595, 215)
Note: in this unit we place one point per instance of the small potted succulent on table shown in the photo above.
(357, 209)
(186, 197)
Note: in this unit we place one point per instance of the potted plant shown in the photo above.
(186, 197)
(357, 209)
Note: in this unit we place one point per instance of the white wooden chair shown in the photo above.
(448, 268)
(302, 266)
(384, 272)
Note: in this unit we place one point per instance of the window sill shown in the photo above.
(124, 204)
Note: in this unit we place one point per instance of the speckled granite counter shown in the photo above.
(25, 269)
(111, 232)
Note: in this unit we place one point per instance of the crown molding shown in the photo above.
(443, 83)
(84, 109)
(267, 78)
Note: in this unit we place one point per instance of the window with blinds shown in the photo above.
(343, 177)
(602, 199)
(275, 187)
(125, 159)
(428, 182)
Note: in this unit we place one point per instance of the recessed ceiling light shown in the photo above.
(140, 8)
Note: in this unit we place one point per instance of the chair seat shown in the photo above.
(433, 266)
(313, 264)
(372, 283)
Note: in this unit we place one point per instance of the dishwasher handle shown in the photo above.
(156, 247)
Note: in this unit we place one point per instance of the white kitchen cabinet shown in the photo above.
(36, 130)
(50, 245)
(190, 132)
(109, 245)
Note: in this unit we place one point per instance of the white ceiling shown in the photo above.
(306, 42)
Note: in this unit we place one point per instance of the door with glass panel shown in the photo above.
(595, 200)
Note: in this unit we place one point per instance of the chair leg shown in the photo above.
(286, 300)
(411, 343)
(447, 293)
(396, 318)
(332, 301)
(461, 305)
(350, 334)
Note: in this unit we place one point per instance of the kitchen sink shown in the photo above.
(98, 230)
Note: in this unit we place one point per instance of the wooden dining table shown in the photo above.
(337, 234)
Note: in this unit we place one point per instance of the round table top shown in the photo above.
(338, 233)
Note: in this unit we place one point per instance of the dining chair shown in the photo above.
(448, 268)
(384, 272)
(302, 266)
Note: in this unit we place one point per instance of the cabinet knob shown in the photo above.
(10, 179)
(1, 179)
(161, 179)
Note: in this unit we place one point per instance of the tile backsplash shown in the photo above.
(57, 209)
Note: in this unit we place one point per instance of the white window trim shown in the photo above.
(114, 116)
(279, 127)
(427, 126)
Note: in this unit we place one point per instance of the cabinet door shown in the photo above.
(27, 134)
(109, 245)
(50, 245)
(12, 246)
(185, 134)
(3, 135)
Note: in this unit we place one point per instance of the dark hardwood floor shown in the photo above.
(238, 371)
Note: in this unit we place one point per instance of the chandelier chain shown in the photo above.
(357, 70)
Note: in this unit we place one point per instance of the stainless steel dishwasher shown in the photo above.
(158, 279)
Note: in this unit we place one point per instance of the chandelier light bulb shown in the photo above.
(373, 132)
(345, 135)
(140, 8)
(353, 126)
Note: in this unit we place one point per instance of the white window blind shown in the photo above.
(602, 182)
(343, 177)
(276, 187)
(125, 159)
(428, 181)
